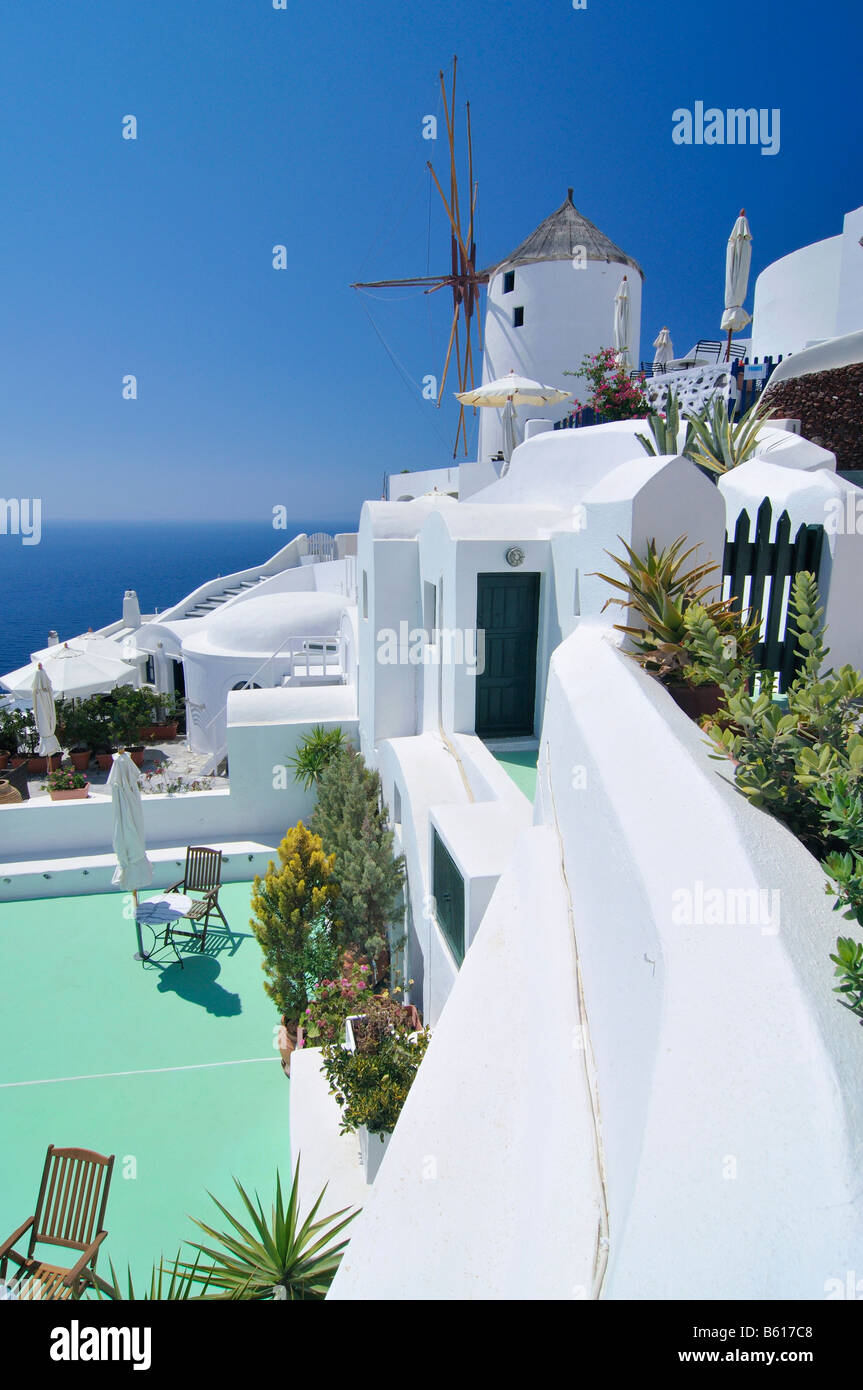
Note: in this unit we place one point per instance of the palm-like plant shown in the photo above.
(174, 1282)
(659, 589)
(278, 1257)
(719, 443)
(315, 752)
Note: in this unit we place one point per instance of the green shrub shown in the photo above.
(352, 821)
(324, 1019)
(371, 1084)
(804, 763)
(293, 921)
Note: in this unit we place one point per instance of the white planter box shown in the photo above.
(372, 1147)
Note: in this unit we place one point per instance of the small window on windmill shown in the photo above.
(508, 281)
(518, 316)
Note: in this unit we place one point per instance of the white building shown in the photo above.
(812, 294)
(620, 1099)
(549, 303)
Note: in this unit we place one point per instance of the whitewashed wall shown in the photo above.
(795, 299)
(692, 1084)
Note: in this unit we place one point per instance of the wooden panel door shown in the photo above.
(507, 610)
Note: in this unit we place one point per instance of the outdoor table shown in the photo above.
(158, 912)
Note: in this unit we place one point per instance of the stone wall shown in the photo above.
(829, 406)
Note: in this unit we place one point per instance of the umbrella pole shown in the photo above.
(140, 954)
(728, 348)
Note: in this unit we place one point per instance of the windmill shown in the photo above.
(463, 279)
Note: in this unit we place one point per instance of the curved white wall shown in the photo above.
(795, 299)
(567, 313)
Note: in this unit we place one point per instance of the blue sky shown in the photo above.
(303, 127)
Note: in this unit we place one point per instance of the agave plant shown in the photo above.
(719, 443)
(665, 429)
(278, 1257)
(660, 590)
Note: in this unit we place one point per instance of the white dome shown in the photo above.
(257, 626)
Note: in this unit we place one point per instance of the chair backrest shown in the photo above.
(72, 1199)
(203, 868)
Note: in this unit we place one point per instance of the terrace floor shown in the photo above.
(520, 764)
(172, 1070)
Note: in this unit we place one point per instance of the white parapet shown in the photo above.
(628, 1094)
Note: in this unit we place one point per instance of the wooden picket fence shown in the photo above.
(758, 573)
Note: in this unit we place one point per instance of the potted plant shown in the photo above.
(73, 731)
(9, 731)
(129, 706)
(28, 741)
(371, 1073)
(667, 601)
(99, 729)
(67, 785)
(160, 724)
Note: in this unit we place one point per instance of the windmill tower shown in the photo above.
(549, 302)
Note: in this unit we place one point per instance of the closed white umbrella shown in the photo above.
(664, 349)
(510, 430)
(45, 714)
(134, 869)
(73, 673)
(622, 322)
(738, 257)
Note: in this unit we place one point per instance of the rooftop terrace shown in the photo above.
(172, 1070)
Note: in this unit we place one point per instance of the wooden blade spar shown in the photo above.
(463, 279)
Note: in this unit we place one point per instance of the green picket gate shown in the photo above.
(769, 566)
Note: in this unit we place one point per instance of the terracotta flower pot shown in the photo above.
(4, 758)
(137, 756)
(37, 765)
(696, 700)
(9, 795)
(157, 733)
(71, 794)
(81, 760)
(104, 761)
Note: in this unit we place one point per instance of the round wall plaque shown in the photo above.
(515, 556)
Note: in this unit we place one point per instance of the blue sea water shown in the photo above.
(76, 576)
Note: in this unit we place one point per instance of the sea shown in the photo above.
(75, 578)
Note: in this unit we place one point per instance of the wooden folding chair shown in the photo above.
(203, 875)
(70, 1212)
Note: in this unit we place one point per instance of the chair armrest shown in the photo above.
(175, 886)
(6, 1247)
(75, 1273)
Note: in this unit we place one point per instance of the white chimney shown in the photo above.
(53, 639)
(131, 609)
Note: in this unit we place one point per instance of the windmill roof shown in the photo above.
(557, 238)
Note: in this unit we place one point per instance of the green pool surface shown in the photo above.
(521, 767)
(173, 1071)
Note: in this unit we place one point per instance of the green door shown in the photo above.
(507, 610)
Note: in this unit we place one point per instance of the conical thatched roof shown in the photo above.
(557, 238)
